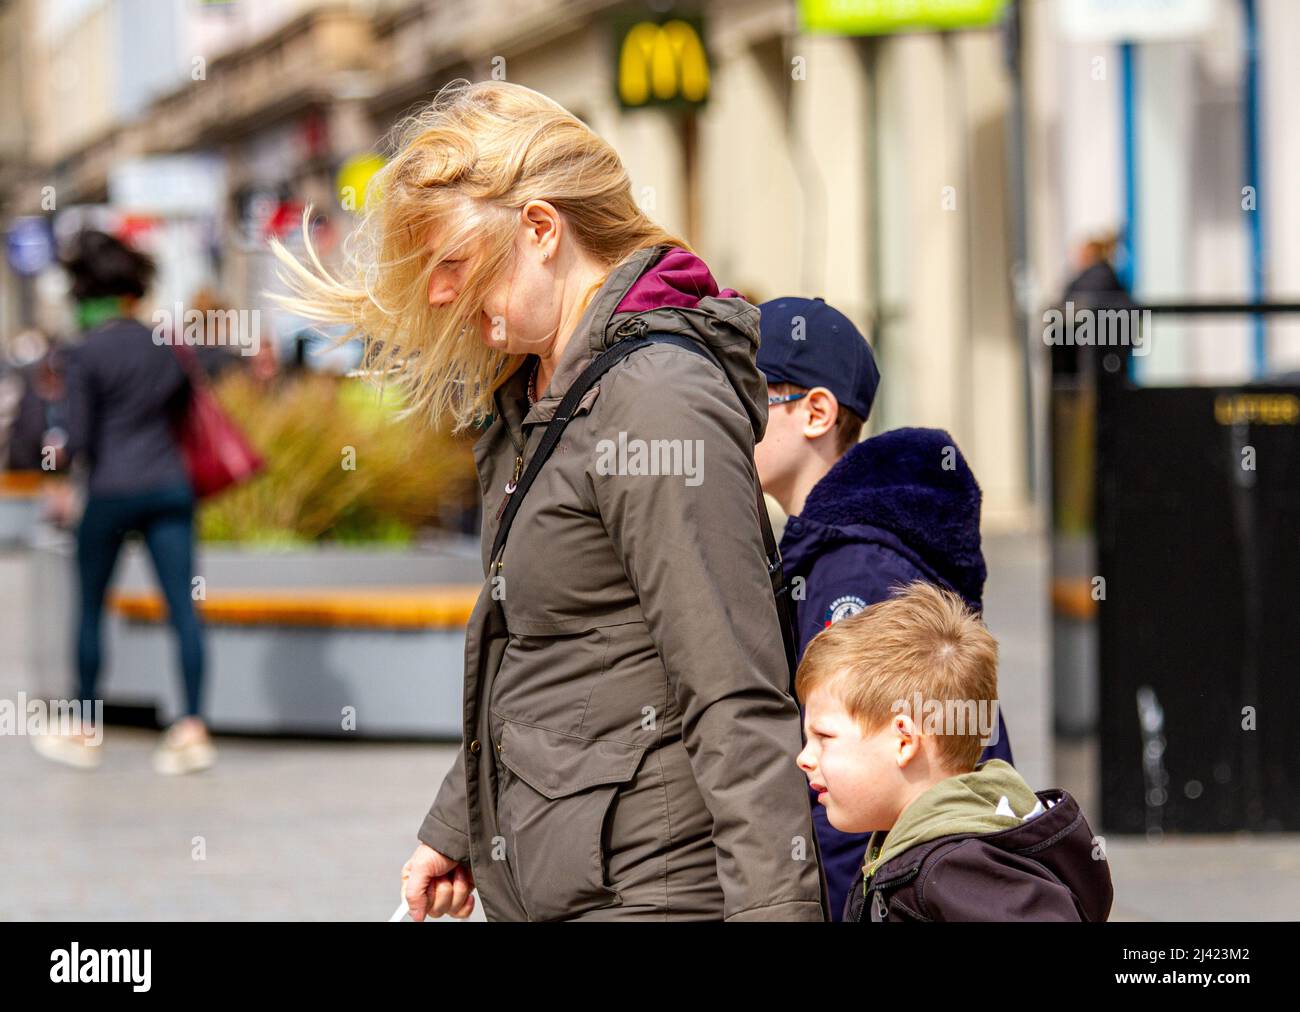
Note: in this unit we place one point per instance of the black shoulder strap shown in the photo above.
(598, 366)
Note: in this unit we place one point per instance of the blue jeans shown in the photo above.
(165, 517)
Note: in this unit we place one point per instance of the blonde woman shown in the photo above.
(629, 737)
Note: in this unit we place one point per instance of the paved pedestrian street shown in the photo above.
(318, 830)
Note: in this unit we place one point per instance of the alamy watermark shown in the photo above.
(1100, 328)
(211, 328)
(75, 965)
(681, 457)
(55, 716)
(953, 716)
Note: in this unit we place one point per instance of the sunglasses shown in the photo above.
(784, 398)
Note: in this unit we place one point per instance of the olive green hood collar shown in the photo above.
(991, 798)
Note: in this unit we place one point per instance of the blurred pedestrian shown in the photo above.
(865, 517)
(38, 435)
(126, 394)
(223, 342)
(1096, 285)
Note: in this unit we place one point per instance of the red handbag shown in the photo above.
(217, 454)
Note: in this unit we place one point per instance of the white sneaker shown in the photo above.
(69, 749)
(173, 757)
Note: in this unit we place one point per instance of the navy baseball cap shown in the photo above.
(807, 343)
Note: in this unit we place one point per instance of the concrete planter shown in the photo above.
(20, 507)
(270, 677)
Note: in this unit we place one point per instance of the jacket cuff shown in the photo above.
(445, 840)
(792, 910)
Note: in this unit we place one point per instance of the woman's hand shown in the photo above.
(61, 504)
(436, 885)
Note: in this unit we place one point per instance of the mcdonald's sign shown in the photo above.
(661, 63)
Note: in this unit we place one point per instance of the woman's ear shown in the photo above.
(543, 226)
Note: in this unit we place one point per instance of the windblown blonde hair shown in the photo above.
(465, 166)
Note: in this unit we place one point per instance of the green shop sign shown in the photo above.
(884, 17)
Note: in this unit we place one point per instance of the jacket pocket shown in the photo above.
(552, 811)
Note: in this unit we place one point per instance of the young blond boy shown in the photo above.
(898, 700)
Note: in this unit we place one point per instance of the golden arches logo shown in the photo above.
(662, 62)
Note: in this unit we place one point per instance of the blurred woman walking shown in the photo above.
(126, 393)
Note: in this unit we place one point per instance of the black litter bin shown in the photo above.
(1198, 534)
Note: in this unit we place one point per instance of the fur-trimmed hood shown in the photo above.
(914, 485)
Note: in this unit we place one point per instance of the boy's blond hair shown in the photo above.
(924, 643)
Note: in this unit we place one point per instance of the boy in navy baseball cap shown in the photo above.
(865, 517)
(815, 355)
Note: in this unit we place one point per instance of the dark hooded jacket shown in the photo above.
(897, 508)
(982, 846)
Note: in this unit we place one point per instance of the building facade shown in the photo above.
(884, 172)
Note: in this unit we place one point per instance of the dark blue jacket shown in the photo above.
(899, 507)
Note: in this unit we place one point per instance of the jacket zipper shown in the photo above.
(873, 898)
(866, 883)
(511, 485)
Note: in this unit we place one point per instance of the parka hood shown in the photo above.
(668, 289)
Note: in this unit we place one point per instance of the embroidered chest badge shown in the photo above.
(843, 607)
